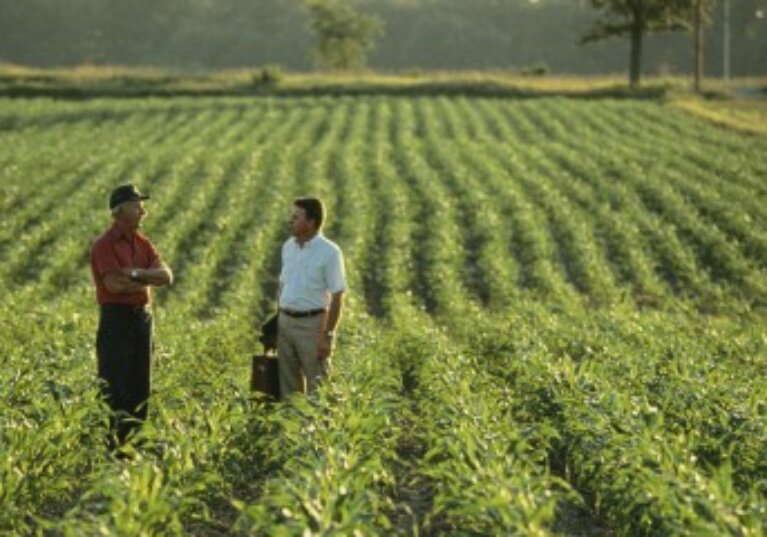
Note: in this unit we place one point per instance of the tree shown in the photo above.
(344, 35)
(635, 18)
(701, 15)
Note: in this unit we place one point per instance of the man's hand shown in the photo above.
(329, 326)
(120, 283)
(324, 347)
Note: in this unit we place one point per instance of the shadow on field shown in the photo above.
(172, 110)
(426, 89)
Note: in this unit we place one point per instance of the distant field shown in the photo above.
(94, 81)
(747, 115)
(556, 322)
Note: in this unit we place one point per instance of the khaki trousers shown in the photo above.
(297, 354)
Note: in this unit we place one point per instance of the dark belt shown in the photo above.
(126, 308)
(299, 314)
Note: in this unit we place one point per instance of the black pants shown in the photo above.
(124, 349)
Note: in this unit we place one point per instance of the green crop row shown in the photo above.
(555, 320)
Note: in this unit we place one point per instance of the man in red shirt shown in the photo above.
(125, 264)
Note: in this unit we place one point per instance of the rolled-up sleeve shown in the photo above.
(336, 273)
(153, 256)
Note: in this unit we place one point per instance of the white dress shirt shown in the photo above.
(310, 274)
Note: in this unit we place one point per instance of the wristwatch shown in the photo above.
(134, 275)
(330, 333)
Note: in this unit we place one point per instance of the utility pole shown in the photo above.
(726, 68)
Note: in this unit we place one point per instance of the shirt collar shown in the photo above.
(310, 243)
(118, 232)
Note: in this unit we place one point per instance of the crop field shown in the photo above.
(556, 323)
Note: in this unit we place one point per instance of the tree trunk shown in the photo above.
(635, 66)
(698, 42)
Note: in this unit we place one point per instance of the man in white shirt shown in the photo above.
(312, 286)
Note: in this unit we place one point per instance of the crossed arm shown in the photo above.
(121, 282)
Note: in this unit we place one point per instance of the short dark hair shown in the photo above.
(313, 208)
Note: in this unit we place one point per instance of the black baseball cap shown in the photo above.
(124, 193)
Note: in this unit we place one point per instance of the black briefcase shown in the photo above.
(265, 376)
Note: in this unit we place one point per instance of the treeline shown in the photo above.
(417, 34)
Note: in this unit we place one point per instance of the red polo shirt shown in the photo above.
(116, 250)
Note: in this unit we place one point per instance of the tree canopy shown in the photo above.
(344, 34)
(636, 19)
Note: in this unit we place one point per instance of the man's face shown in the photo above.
(300, 225)
(132, 213)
